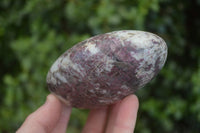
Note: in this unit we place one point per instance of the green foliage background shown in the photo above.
(33, 33)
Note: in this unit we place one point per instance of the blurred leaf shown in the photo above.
(33, 34)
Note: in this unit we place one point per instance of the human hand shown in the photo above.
(53, 117)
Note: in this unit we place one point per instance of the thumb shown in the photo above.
(44, 119)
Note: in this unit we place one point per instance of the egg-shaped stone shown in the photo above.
(106, 68)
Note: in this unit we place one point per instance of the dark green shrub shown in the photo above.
(34, 33)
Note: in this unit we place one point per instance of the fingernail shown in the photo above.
(49, 98)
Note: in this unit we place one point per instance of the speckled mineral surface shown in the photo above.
(106, 68)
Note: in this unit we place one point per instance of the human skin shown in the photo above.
(53, 117)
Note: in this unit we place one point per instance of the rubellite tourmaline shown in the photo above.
(106, 68)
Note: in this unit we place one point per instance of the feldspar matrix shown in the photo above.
(106, 68)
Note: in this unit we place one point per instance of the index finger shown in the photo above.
(44, 119)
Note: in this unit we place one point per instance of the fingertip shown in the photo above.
(62, 123)
(123, 115)
(52, 98)
(133, 100)
(44, 119)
